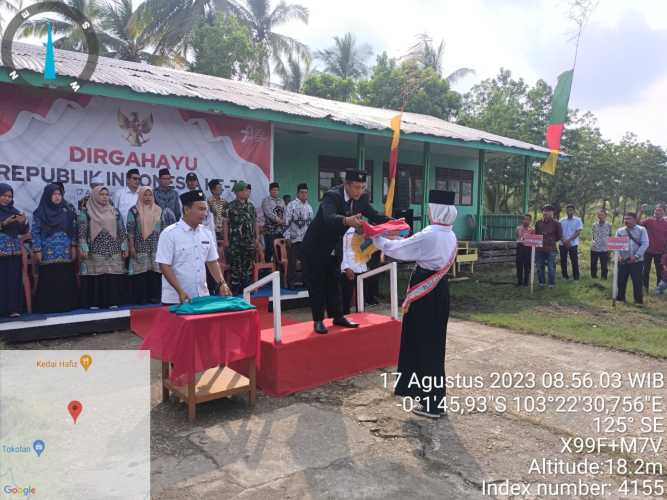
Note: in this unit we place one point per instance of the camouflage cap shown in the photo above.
(240, 186)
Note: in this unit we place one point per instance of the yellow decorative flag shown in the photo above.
(361, 245)
(393, 164)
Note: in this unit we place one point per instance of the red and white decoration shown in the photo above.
(78, 140)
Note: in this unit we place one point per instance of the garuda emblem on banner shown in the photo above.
(135, 128)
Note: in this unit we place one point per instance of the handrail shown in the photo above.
(274, 278)
(392, 267)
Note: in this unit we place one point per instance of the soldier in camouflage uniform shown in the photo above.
(242, 237)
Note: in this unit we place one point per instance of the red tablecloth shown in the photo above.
(196, 343)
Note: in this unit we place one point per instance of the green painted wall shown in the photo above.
(296, 160)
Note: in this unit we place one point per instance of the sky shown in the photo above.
(621, 70)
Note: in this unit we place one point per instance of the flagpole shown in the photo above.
(614, 285)
(532, 270)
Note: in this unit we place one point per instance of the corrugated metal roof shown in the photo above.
(147, 79)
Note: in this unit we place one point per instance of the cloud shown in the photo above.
(644, 116)
(620, 74)
(615, 64)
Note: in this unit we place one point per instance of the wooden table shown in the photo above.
(197, 351)
(214, 383)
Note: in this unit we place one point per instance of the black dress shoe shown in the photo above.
(343, 321)
(320, 328)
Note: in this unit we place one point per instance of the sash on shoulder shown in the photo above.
(426, 286)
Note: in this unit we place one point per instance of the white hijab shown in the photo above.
(442, 214)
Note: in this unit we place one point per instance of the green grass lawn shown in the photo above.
(579, 311)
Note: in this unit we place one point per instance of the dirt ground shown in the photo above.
(352, 439)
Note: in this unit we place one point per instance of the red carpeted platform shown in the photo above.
(304, 359)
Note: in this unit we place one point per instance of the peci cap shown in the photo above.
(192, 196)
(274, 185)
(355, 176)
(164, 171)
(441, 197)
(302, 186)
(192, 177)
(133, 171)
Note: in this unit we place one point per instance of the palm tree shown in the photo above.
(171, 24)
(71, 36)
(126, 38)
(7, 10)
(426, 55)
(346, 59)
(293, 73)
(262, 19)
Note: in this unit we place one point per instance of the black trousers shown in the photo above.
(294, 255)
(633, 271)
(423, 340)
(523, 254)
(573, 252)
(652, 258)
(603, 258)
(322, 274)
(347, 287)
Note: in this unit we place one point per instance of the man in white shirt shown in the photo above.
(571, 226)
(350, 269)
(185, 250)
(125, 198)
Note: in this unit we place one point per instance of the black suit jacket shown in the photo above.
(326, 231)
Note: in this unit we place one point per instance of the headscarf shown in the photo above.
(55, 217)
(442, 214)
(101, 216)
(6, 211)
(149, 215)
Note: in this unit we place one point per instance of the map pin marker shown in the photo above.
(86, 361)
(75, 408)
(39, 446)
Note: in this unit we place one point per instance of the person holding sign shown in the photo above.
(426, 306)
(631, 261)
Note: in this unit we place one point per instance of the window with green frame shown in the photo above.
(459, 181)
(415, 174)
(332, 173)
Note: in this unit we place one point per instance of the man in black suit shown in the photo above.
(341, 208)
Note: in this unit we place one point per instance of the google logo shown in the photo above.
(18, 491)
